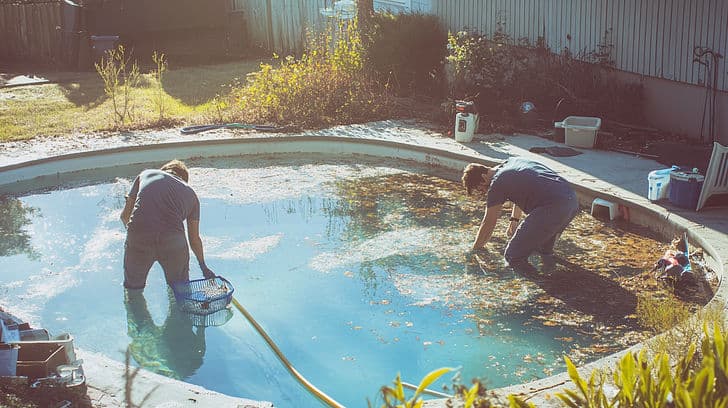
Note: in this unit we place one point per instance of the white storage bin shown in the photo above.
(580, 131)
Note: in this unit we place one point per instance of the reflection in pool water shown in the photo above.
(175, 348)
(357, 269)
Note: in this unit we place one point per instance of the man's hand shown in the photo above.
(512, 227)
(207, 272)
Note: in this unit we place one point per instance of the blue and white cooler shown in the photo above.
(659, 183)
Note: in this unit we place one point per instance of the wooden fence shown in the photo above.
(282, 26)
(31, 31)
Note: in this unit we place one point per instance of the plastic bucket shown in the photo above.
(8, 359)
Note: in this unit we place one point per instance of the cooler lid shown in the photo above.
(687, 176)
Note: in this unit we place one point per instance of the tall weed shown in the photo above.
(160, 62)
(120, 76)
(675, 322)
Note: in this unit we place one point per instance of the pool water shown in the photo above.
(357, 268)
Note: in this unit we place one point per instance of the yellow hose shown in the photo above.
(310, 387)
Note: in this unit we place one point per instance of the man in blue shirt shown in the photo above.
(157, 205)
(534, 189)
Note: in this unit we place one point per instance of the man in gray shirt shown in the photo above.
(157, 205)
(534, 189)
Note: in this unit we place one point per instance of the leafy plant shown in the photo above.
(588, 394)
(474, 397)
(477, 396)
(120, 76)
(642, 382)
(394, 397)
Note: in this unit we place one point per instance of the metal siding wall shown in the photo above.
(723, 42)
(650, 37)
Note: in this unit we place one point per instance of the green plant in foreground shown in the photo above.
(394, 397)
(120, 76)
(474, 397)
(642, 382)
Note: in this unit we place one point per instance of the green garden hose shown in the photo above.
(310, 387)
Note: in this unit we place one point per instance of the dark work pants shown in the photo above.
(539, 231)
(142, 249)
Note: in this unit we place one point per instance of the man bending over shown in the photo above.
(548, 200)
(157, 205)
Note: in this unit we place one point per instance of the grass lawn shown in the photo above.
(81, 106)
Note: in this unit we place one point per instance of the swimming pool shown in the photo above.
(356, 267)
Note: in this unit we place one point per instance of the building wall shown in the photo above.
(680, 108)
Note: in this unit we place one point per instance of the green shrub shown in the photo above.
(409, 51)
(327, 85)
(661, 314)
(500, 73)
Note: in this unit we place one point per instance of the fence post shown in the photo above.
(269, 19)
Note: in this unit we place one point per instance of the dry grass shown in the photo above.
(79, 105)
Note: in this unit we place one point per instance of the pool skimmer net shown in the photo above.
(203, 296)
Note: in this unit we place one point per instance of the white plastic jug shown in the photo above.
(659, 183)
(465, 124)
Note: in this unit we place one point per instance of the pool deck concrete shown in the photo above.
(617, 176)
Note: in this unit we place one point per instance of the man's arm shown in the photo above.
(128, 207)
(193, 234)
(130, 201)
(487, 225)
(516, 214)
